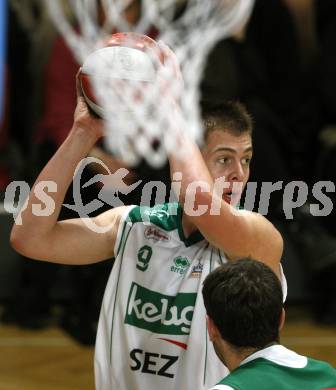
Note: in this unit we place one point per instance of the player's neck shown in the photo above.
(232, 357)
(188, 226)
(235, 356)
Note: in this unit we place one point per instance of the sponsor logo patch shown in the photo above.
(153, 363)
(196, 271)
(158, 313)
(180, 266)
(155, 234)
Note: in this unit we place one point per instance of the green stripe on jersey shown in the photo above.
(167, 216)
(163, 216)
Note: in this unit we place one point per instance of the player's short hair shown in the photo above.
(231, 116)
(244, 300)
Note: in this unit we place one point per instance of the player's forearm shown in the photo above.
(202, 201)
(190, 164)
(51, 185)
(197, 186)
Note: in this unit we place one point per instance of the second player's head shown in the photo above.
(244, 304)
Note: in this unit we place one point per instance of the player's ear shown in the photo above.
(282, 319)
(212, 329)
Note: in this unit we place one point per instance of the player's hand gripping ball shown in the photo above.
(122, 57)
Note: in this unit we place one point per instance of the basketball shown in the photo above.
(123, 56)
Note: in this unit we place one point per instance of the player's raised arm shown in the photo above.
(226, 154)
(70, 241)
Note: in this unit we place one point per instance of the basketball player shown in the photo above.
(244, 304)
(152, 327)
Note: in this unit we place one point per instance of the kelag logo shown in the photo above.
(160, 313)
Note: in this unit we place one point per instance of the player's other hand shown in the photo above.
(169, 74)
(84, 118)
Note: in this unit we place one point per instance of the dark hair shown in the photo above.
(231, 116)
(244, 300)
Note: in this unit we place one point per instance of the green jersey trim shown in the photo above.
(194, 238)
(163, 216)
(168, 217)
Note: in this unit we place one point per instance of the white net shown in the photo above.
(140, 128)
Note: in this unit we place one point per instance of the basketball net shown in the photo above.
(141, 128)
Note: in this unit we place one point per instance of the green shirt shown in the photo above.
(278, 368)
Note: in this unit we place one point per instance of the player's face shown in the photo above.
(228, 155)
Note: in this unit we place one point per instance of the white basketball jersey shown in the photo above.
(152, 330)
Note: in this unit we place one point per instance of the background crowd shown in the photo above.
(282, 65)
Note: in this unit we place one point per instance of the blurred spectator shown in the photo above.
(315, 22)
(3, 32)
(4, 161)
(326, 67)
(23, 26)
